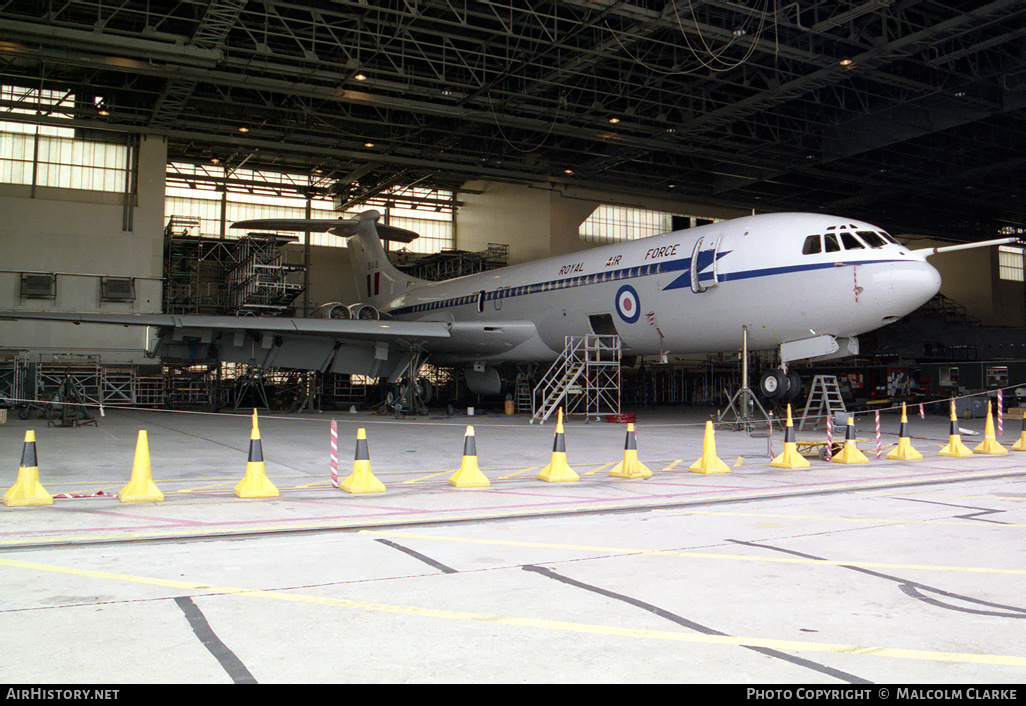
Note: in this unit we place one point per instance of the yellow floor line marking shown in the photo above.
(701, 555)
(517, 473)
(867, 520)
(555, 625)
(603, 466)
(674, 464)
(427, 477)
(199, 488)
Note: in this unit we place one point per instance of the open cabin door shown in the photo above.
(704, 260)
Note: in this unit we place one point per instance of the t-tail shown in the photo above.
(377, 280)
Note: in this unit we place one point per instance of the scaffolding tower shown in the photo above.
(218, 276)
(585, 379)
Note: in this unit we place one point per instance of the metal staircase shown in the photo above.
(586, 374)
(824, 400)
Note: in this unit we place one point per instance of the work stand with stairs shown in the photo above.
(585, 379)
(824, 400)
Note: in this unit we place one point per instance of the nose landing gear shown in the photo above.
(778, 386)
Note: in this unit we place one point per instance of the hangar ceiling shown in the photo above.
(907, 113)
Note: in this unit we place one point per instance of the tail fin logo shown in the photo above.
(374, 284)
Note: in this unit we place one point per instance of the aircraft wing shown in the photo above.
(354, 346)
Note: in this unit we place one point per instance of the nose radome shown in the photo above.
(913, 284)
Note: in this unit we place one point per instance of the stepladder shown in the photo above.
(824, 400)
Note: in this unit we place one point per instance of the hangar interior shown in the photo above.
(133, 134)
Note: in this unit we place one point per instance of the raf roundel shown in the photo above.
(627, 305)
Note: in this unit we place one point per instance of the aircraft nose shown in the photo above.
(912, 284)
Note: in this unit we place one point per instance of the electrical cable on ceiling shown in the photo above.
(715, 56)
(555, 117)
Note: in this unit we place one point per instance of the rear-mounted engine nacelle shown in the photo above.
(331, 310)
(364, 311)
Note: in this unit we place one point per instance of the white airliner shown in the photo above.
(807, 284)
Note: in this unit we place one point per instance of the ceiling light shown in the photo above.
(360, 76)
(215, 160)
(846, 62)
(368, 145)
(614, 120)
(243, 129)
(568, 172)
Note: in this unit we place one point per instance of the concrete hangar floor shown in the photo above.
(882, 572)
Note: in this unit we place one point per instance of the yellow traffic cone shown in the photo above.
(140, 488)
(990, 444)
(630, 467)
(850, 452)
(904, 450)
(709, 463)
(361, 480)
(469, 475)
(558, 470)
(255, 484)
(1020, 445)
(955, 446)
(790, 458)
(27, 490)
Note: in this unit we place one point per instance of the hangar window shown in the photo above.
(812, 245)
(1010, 263)
(614, 224)
(196, 191)
(54, 155)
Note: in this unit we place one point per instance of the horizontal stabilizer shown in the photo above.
(341, 227)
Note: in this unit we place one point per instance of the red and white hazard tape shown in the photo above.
(97, 494)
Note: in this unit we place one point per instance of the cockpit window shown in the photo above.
(851, 242)
(872, 239)
(812, 245)
(889, 238)
(831, 242)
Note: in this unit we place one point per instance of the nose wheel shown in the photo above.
(778, 386)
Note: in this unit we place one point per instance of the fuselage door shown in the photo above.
(703, 259)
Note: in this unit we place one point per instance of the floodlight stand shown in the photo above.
(742, 405)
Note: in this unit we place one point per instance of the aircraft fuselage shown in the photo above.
(786, 277)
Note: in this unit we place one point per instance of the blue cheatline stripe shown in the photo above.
(626, 273)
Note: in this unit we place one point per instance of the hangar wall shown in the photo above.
(970, 278)
(83, 236)
(539, 221)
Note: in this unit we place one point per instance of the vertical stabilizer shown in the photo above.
(377, 281)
